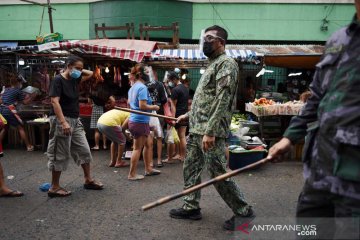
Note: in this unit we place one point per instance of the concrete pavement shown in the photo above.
(114, 213)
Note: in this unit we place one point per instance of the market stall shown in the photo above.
(38, 64)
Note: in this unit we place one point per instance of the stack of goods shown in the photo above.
(265, 107)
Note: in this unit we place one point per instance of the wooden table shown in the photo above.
(44, 133)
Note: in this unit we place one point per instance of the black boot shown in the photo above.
(181, 213)
(238, 220)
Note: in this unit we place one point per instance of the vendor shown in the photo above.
(9, 100)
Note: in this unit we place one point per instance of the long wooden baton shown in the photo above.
(201, 185)
(145, 113)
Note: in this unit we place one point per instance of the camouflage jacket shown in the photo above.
(331, 117)
(211, 107)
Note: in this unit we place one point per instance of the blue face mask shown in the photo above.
(171, 84)
(75, 74)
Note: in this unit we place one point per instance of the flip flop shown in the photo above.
(56, 193)
(111, 165)
(93, 185)
(94, 149)
(122, 165)
(154, 172)
(12, 194)
(160, 165)
(136, 177)
(170, 162)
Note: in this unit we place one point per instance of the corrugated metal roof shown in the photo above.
(271, 50)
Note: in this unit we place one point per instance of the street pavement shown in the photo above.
(114, 213)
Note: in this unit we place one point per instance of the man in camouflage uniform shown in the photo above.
(331, 122)
(209, 119)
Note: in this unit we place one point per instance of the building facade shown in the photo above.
(251, 20)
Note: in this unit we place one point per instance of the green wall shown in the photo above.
(156, 13)
(244, 21)
(22, 22)
(292, 22)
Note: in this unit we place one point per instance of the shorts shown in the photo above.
(114, 133)
(62, 148)
(139, 129)
(182, 124)
(155, 126)
(9, 116)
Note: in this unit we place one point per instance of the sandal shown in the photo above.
(136, 177)
(170, 162)
(111, 165)
(12, 194)
(160, 165)
(154, 172)
(56, 193)
(122, 165)
(93, 185)
(30, 149)
(95, 148)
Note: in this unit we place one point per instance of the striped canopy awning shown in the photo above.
(196, 54)
(133, 50)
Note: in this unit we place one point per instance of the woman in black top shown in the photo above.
(179, 106)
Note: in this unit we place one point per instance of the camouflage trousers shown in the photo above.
(215, 161)
(335, 216)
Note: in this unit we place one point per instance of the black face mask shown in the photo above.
(207, 49)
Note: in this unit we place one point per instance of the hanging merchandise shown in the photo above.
(97, 74)
(117, 76)
(45, 80)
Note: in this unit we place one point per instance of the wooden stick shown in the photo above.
(201, 185)
(145, 113)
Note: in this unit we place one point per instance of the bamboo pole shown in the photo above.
(201, 185)
(145, 113)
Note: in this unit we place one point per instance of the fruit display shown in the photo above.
(266, 107)
(263, 102)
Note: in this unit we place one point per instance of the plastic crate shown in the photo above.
(85, 109)
(242, 159)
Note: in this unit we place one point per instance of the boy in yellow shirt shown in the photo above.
(112, 124)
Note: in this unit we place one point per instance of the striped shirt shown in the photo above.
(12, 95)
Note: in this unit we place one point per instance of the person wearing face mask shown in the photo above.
(140, 100)
(330, 123)
(67, 135)
(209, 121)
(179, 106)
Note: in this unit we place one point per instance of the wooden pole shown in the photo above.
(50, 17)
(145, 113)
(201, 185)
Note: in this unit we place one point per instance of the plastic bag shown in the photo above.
(3, 122)
(169, 136)
(175, 135)
(172, 136)
(167, 112)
